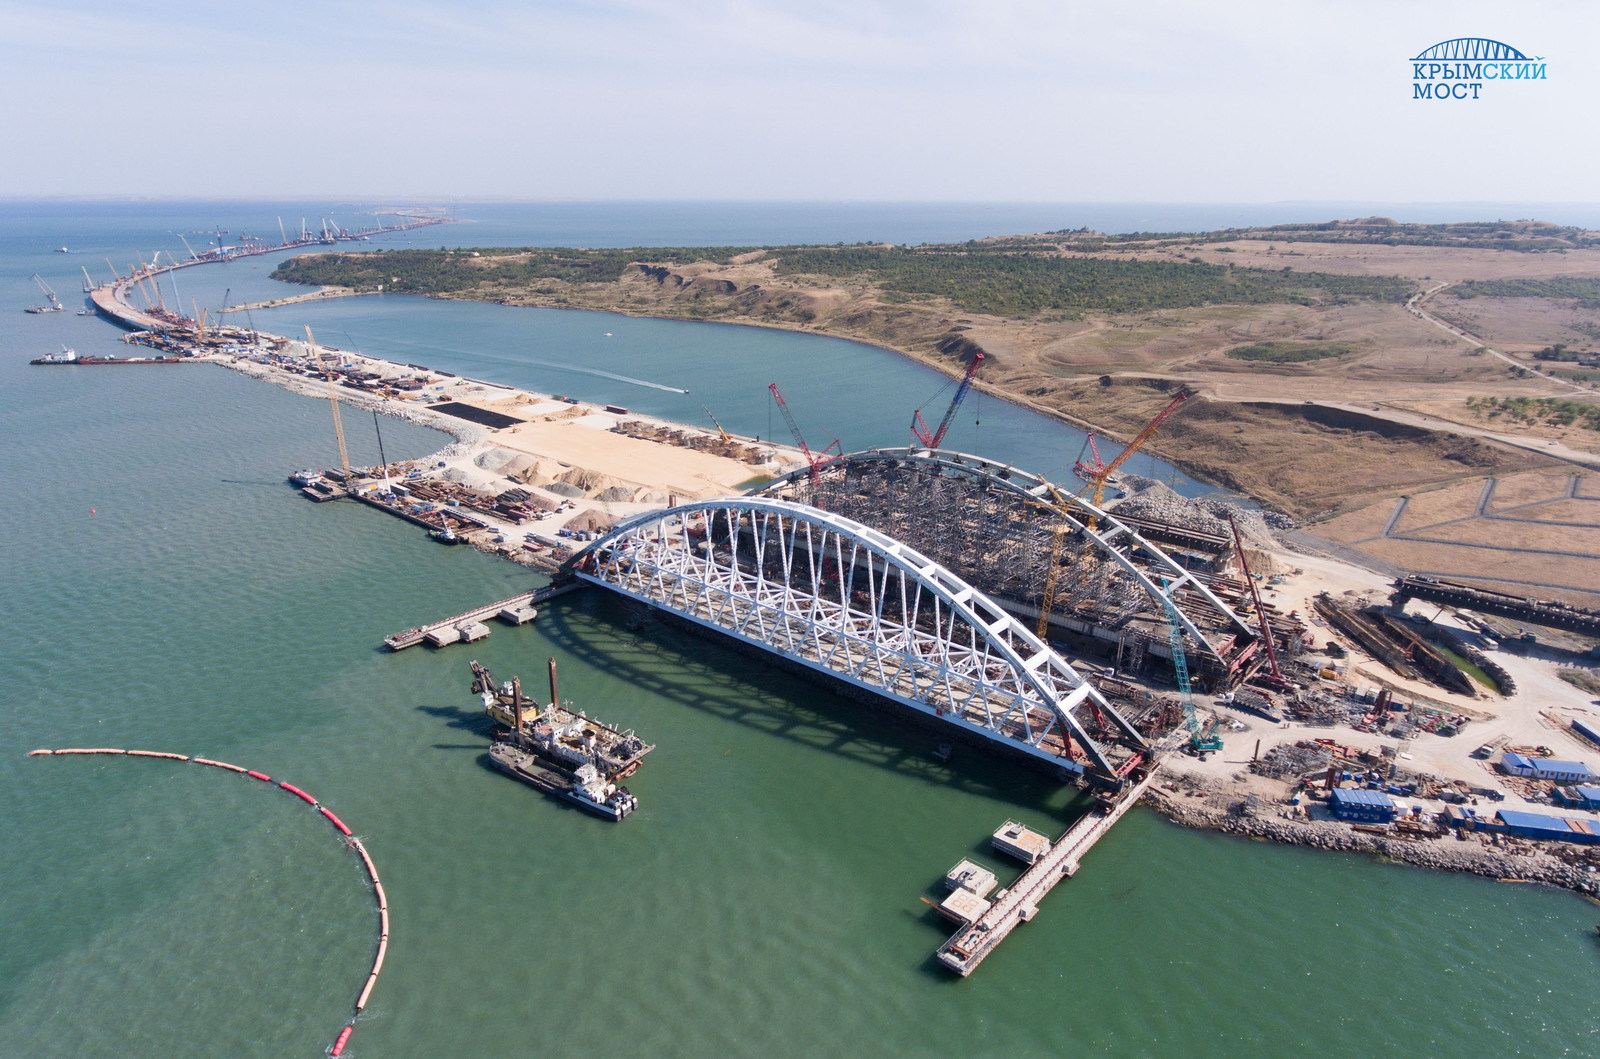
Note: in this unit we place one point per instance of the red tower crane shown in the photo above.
(815, 461)
(919, 428)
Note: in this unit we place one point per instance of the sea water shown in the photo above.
(166, 590)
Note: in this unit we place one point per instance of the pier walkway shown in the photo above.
(969, 945)
(520, 604)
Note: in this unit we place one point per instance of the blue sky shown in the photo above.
(1141, 100)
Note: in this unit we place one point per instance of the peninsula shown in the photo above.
(1342, 368)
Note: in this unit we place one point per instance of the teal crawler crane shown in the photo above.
(1198, 743)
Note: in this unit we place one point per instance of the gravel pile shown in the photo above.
(1150, 499)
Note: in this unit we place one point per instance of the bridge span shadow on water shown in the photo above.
(694, 670)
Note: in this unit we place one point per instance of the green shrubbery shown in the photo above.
(1553, 411)
(1289, 352)
(1008, 282)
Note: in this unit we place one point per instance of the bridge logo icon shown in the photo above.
(1459, 69)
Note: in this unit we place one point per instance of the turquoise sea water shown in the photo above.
(763, 901)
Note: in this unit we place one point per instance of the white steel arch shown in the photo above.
(1113, 538)
(846, 600)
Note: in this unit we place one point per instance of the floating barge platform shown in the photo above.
(1019, 903)
(566, 739)
(516, 610)
(560, 751)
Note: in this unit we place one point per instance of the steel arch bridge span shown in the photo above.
(1471, 49)
(845, 600)
(1111, 538)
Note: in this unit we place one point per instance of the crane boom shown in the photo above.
(815, 462)
(55, 303)
(714, 423)
(1180, 665)
(187, 247)
(919, 428)
(1088, 472)
(1094, 478)
(150, 271)
(333, 399)
(1149, 431)
(1261, 612)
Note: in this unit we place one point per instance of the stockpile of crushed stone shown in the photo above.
(1150, 499)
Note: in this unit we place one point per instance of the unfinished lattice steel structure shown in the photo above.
(840, 598)
(992, 524)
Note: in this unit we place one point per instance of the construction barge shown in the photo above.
(558, 750)
(71, 356)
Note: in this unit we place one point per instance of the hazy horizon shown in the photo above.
(1019, 101)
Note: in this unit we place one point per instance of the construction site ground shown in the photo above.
(1532, 717)
(586, 476)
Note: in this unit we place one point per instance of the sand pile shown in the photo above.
(530, 470)
(593, 482)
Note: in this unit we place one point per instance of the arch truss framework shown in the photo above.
(846, 600)
(1113, 539)
(1470, 49)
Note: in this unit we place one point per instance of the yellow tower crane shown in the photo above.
(333, 399)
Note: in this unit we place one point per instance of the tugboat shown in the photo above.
(66, 356)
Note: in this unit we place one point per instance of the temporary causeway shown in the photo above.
(969, 945)
(468, 626)
(350, 840)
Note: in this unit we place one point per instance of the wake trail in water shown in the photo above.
(607, 375)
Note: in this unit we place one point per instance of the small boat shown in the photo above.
(86, 311)
(942, 754)
(62, 250)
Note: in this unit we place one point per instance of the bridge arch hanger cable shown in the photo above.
(847, 600)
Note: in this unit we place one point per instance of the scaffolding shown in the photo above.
(976, 523)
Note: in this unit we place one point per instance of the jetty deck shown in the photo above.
(968, 946)
(517, 605)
